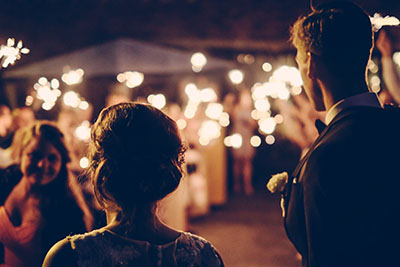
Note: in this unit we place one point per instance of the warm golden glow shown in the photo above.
(224, 119)
(181, 124)
(84, 162)
(73, 76)
(9, 54)
(236, 140)
(255, 141)
(29, 100)
(278, 119)
(82, 132)
(267, 126)
(214, 110)
(236, 76)
(71, 99)
(267, 67)
(372, 66)
(209, 130)
(47, 91)
(208, 95)
(269, 139)
(159, 101)
(84, 105)
(131, 78)
(396, 58)
(378, 21)
(262, 104)
(198, 60)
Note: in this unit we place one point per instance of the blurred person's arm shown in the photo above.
(389, 72)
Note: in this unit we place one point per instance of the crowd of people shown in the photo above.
(338, 203)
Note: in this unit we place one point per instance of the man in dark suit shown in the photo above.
(341, 202)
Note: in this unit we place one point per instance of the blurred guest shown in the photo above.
(22, 117)
(40, 204)
(341, 198)
(299, 120)
(5, 126)
(245, 125)
(389, 72)
(5, 136)
(172, 210)
(136, 157)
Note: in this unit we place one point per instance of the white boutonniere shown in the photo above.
(277, 183)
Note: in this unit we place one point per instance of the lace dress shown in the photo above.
(105, 248)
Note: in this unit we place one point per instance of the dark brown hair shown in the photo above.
(136, 157)
(340, 33)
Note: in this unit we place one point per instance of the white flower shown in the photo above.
(277, 182)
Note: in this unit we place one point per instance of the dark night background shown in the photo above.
(221, 28)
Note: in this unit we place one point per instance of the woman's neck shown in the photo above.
(145, 229)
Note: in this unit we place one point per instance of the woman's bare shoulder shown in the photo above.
(61, 254)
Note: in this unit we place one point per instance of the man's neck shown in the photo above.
(331, 95)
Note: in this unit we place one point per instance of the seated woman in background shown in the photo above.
(39, 203)
(136, 156)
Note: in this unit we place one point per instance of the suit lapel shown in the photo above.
(339, 117)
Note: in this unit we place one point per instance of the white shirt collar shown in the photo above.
(365, 99)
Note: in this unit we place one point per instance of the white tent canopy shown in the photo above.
(115, 57)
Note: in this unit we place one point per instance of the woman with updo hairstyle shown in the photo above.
(40, 203)
(136, 156)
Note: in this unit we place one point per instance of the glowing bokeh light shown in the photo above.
(224, 119)
(190, 111)
(204, 141)
(288, 74)
(47, 106)
(259, 91)
(42, 81)
(71, 99)
(9, 54)
(278, 119)
(199, 60)
(372, 66)
(262, 104)
(73, 76)
(208, 95)
(84, 105)
(375, 80)
(255, 141)
(210, 129)
(267, 125)
(82, 132)
(267, 67)
(84, 162)
(181, 124)
(29, 100)
(236, 140)
(227, 141)
(296, 90)
(236, 76)
(270, 139)
(378, 21)
(248, 59)
(159, 101)
(131, 78)
(214, 110)
(396, 57)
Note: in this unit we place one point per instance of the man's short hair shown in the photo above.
(339, 32)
